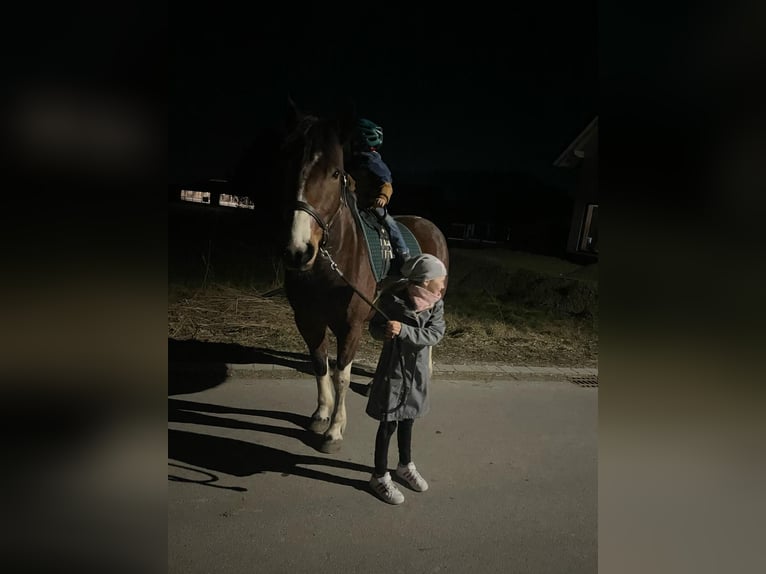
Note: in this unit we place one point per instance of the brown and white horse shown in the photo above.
(327, 269)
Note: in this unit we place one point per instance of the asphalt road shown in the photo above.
(512, 468)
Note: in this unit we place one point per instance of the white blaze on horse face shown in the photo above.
(300, 233)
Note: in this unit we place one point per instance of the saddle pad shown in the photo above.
(380, 259)
(409, 239)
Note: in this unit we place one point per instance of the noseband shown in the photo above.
(303, 206)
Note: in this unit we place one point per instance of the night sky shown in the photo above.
(478, 91)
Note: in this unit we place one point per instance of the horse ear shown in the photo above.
(346, 122)
(293, 115)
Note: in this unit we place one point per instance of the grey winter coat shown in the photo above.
(404, 358)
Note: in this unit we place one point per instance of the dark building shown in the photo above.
(582, 155)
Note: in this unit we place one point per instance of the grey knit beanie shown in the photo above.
(423, 267)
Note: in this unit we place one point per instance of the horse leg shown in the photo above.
(315, 336)
(348, 341)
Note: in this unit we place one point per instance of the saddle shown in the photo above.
(375, 233)
(378, 242)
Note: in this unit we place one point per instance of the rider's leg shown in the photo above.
(401, 251)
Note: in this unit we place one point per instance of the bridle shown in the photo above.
(308, 208)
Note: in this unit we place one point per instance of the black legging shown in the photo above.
(383, 438)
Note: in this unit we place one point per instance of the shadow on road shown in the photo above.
(239, 458)
(195, 366)
(210, 480)
(360, 388)
(193, 412)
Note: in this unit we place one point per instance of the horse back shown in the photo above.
(429, 236)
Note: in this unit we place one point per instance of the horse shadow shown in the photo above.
(240, 458)
(195, 366)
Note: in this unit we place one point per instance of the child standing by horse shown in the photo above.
(373, 182)
(410, 320)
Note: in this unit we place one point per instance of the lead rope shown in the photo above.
(334, 266)
(406, 387)
(395, 342)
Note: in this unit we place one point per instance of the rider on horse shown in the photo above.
(371, 179)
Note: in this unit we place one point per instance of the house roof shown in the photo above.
(572, 155)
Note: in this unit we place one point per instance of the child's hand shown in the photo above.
(380, 202)
(393, 328)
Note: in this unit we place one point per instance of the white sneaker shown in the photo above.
(385, 489)
(412, 477)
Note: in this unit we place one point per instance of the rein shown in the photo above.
(303, 206)
(334, 267)
(396, 352)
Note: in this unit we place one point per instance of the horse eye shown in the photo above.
(336, 174)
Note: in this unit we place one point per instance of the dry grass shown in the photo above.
(557, 343)
(502, 306)
(224, 314)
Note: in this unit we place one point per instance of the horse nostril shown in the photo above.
(308, 254)
(298, 258)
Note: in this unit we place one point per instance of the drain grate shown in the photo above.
(589, 381)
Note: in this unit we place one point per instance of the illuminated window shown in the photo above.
(236, 201)
(195, 196)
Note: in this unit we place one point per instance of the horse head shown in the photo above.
(315, 182)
